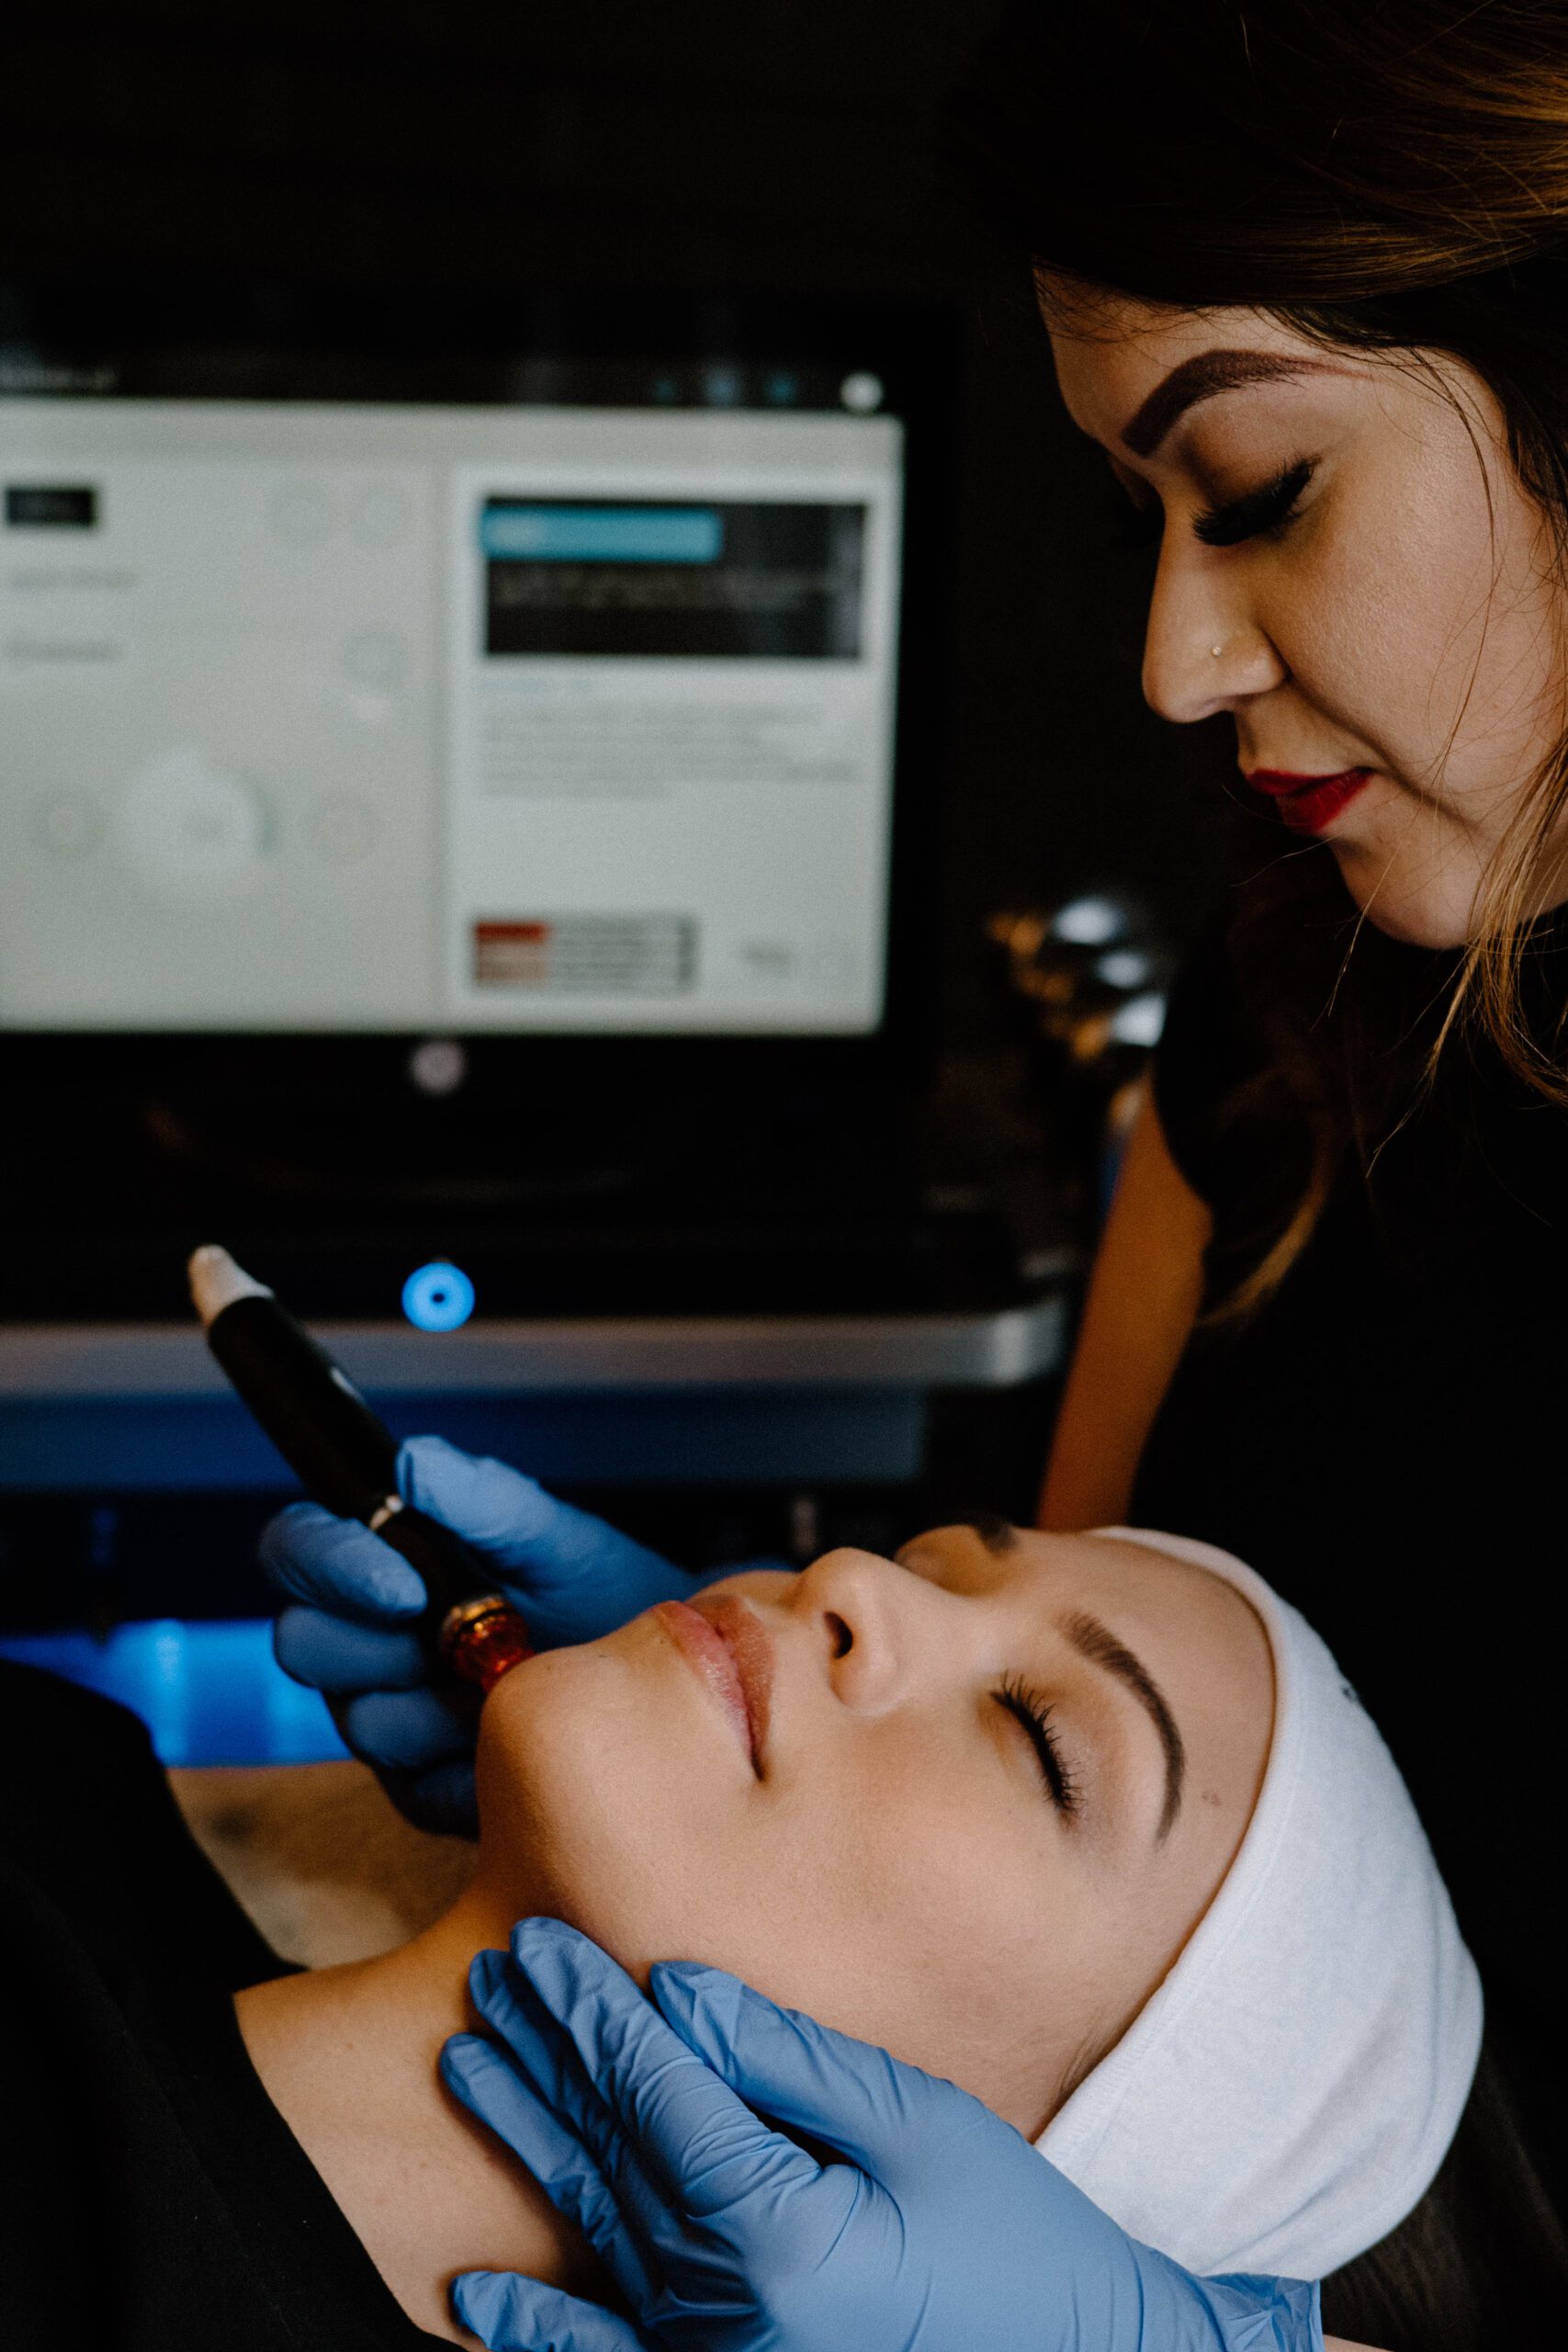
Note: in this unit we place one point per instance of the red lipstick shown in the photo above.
(1307, 804)
(727, 1642)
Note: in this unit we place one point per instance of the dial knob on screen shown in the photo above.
(190, 825)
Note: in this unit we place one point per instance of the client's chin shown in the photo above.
(573, 1770)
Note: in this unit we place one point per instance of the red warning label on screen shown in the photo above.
(587, 954)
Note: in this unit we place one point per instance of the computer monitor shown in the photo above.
(551, 682)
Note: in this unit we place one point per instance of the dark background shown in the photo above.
(749, 145)
(431, 148)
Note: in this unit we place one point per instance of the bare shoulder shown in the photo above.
(324, 1865)
(1144, 1291)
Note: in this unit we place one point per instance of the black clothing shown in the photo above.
(1386, 1439)
(154, 2198)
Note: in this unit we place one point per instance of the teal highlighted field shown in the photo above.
(525, 534)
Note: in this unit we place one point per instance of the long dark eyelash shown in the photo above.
(1035, 1713)
(1219, 526)
(1260, 510)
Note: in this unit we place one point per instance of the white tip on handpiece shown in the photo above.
(216, 1281)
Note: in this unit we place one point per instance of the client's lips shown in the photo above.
(728, 1644)
(1309, 803)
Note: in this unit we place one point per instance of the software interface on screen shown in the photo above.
(326, 715)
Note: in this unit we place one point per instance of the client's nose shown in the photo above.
(884, 1633)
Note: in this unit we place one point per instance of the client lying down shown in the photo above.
(1219, 1980)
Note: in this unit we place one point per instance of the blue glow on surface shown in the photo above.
(602, 534)
(210, 1693)
(439, 1298)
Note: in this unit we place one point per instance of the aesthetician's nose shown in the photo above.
(885, 1633)
(1203, 650)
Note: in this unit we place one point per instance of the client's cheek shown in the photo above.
(1015, 1942)
(934, 1945)
(601, 1804)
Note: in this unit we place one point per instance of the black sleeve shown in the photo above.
(89, 1816)
(1208, 1049)
(159, 2203)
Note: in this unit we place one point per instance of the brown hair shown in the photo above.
(1480, 2262)
(1390, 179)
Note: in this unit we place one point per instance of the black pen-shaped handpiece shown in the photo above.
(346, 1460)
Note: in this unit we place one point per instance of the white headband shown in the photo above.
(1284, 2099)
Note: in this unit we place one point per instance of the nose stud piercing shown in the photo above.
(1216, 650)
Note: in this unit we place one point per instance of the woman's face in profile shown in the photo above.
(967, 1805)
(1348, 531)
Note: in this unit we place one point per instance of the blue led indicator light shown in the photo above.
(439, 1298)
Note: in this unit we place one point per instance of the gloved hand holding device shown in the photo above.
(572, 1577)
(937, 2228)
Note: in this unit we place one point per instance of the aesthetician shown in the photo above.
(1304, 268)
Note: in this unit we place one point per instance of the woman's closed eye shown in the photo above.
(1256, 513)
(1035, 1713)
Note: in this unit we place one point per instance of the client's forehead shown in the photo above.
(1173, 1599)
(1198, 1625)
(1166, 1638)
(992, 1555)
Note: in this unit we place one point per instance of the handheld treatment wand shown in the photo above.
(346, 1460)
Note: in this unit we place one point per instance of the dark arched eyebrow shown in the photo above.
(1199, 379)
(998, 1535)
(1099, 1645)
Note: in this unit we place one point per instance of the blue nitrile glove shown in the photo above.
(944, 2230)
(572, 1577)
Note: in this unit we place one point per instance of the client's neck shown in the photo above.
(348, 2056)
